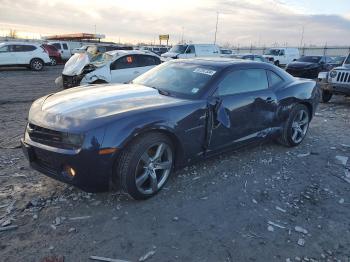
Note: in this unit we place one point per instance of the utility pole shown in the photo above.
(216, 27)
(302, 36)
(182, 35)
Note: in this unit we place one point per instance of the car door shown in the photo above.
(245, 109)
(145, 63)
(66, 53)
(6, 57)
(124, 69)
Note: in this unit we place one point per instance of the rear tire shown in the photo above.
(53, 61)
(36, 64)
(145, 165)
(326, 96)
(296, 127)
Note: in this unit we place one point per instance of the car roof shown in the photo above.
(220, 62)
(118, 53)
(19, 43)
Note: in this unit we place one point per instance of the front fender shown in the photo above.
(101, 73)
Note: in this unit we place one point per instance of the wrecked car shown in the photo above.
(118, 66)
(133, 136)
(336, 81)
(309, 66)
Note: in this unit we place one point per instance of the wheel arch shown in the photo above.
(38, 58)
(176, 142)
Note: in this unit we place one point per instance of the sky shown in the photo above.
(241, 22)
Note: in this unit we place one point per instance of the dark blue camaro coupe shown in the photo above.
(133, 136)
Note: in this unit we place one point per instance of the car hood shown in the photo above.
(82, 108)
(75, 64)
(343, 67)
(170, 54)
(301, 65)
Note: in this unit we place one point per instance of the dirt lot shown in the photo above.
(266, 203)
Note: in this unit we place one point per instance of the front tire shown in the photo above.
(145, 165)
(36, 64)
(295, 128)
(326, 96)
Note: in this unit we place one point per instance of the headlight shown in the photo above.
(333, 74)
(75, 140)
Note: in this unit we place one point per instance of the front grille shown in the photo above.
(343, 77)
(71, 81)
(54, 138)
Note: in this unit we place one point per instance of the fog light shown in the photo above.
(69, 171)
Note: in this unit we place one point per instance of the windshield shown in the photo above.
(101, 58)
(274, 52)
(338, 59)
(347, 61)
(178, 79)
(310, 59)
(180, 49)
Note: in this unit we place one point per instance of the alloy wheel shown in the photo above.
(300, 126)
(37, 65)
(153, 168)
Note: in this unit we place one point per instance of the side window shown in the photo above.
(28, 48)
(242, 81)
(282, 52)
(57, 45)
(4, 49)
(190, 49)
(18, 48)
(274, 79)
(147, 60)
(124, 63)
(65, 46)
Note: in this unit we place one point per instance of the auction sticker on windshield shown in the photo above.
(204, 71)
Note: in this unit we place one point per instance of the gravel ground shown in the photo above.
(264, 203)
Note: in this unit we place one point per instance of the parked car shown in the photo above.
(134, 135)
(119, 66)
(309, 66)
(30, 55)
(225, 52)
(159, 50)
(253, 57)
(54, 54)
(191, 51)
(336, 81)
(282, 56)
(101, 48)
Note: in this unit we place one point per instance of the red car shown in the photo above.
(54, 54)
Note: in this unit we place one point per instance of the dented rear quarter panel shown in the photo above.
(300, 91)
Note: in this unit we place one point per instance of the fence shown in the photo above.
(331, 51)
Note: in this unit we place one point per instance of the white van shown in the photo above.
(66, 47)
(282, 55)
(191, 50)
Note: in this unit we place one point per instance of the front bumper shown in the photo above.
(93, 172)
(341, 89)
(71, 81)
(304, 73)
